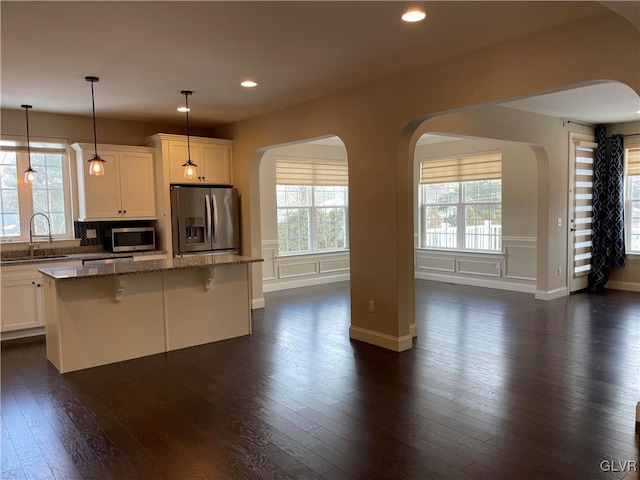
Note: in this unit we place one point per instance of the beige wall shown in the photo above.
(378, 124)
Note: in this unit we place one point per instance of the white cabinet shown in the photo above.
(126, 191)
(212, 157)
(21, 298)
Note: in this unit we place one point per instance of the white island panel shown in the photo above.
(95, 329)
(197, 316)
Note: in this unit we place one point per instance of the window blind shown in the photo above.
(463, 169)
(633, 161)
(583, 207)
(311, 172)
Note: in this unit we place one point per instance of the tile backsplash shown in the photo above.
(81, 228)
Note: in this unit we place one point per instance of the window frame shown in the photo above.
(460, 171)
(631, 144)
(313, 226)
(461, 212)
(18, 144)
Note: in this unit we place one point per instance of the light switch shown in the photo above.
(559, 222)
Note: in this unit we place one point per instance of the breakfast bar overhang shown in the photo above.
(95, 315)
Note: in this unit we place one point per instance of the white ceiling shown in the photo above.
(146, 52)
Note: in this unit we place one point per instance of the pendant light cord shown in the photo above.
(93, 107)
(26, 111)
(186, 104)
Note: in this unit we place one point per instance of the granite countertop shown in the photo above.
(148, 266)
(55, 256)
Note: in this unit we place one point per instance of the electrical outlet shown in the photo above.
(372, 306)
(91, 233)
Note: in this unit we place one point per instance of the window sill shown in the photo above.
(286, 256)
(456, 251)
(41, 245)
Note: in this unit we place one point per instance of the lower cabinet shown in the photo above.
(21, 298)
(21, 303)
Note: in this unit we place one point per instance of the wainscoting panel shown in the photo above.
(479, 267)
(437, 264)
(269, 250)
(514, 269)
(284, 272)
(334, 265)
(520, 262)
(297, 269)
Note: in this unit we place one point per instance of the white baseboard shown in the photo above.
(552, 294)
(413, 330)
(257, 303)
(274, 286)
(477, 282)
(628, 286)
(31, 332)
(397, 344)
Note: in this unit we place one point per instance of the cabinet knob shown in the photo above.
(119, 211)
(33, 283)
(38, 285)
(124, 211)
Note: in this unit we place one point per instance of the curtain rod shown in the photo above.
(591, 126)
(576, 123)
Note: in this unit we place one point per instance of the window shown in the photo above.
(49, 193)
(312, 206)
(632, 200)
(461, 203)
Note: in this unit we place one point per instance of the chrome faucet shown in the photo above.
(31, 235)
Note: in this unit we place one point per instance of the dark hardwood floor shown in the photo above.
(497, 386)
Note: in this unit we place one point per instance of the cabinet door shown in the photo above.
(102, 194)
(21, 304)
(217, 164)
(178, 153)
(136, 185)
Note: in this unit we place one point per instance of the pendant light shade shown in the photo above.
(189, 166)
(96, 164)
(29, 173)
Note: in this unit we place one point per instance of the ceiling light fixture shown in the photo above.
(29, 173)
(183, 109)
(412, 16)
(189, 166)
(248, 84)
(96, 164)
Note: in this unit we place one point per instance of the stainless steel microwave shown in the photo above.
(130, 239)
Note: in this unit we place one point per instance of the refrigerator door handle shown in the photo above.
(207, 220)
(214, 201)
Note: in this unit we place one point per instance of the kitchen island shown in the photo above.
(100, 314)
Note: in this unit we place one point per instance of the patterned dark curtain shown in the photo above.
(608, 209)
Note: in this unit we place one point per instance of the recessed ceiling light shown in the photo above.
(249, 84)
(414, 16)
(638, 111)
(183, 109)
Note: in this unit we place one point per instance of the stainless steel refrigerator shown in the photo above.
(204, 219)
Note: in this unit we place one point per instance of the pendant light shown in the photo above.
(96, 164)
(29, 173)
(189, 166)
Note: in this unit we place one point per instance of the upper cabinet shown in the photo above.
(212, 157)
(125, 191)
